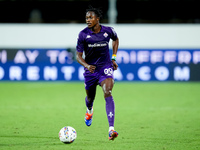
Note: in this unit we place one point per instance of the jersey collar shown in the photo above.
(102, 30)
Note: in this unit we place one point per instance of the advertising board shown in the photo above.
(134, 65)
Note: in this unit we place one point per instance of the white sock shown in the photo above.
(90, 111)
(111, 128)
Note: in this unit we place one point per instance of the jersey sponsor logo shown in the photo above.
(102, 44)
(108, 71)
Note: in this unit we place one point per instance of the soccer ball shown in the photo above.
(67, 134)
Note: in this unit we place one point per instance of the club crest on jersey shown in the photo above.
(105, 35)
(88, 36)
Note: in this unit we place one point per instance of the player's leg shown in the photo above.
(90, 87)
(91, 92)
(107, 86)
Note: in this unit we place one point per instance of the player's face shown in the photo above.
(91, 19)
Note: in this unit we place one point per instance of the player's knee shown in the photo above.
(107, 92)
(107, 89)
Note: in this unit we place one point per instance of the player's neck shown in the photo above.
(96, 28)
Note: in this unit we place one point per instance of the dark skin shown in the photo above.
(93, 23)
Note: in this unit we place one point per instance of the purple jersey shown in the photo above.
(96, 46)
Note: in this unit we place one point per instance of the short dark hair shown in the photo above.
(97, 11)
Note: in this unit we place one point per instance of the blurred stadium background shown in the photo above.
(72, 11)
(159, 40)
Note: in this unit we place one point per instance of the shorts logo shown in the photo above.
(108, 71)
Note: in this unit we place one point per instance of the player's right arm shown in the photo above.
(80, 60)
(79, 53)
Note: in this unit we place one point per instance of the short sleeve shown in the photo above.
(113, 34)
(80, 43)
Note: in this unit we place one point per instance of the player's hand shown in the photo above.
(115, 65)
(91, 68)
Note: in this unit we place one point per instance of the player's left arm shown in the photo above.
(115, 45)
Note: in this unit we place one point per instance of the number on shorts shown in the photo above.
(108, 71)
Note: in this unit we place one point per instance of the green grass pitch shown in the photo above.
(149, 116)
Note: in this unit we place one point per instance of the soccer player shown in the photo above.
(99, 67)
